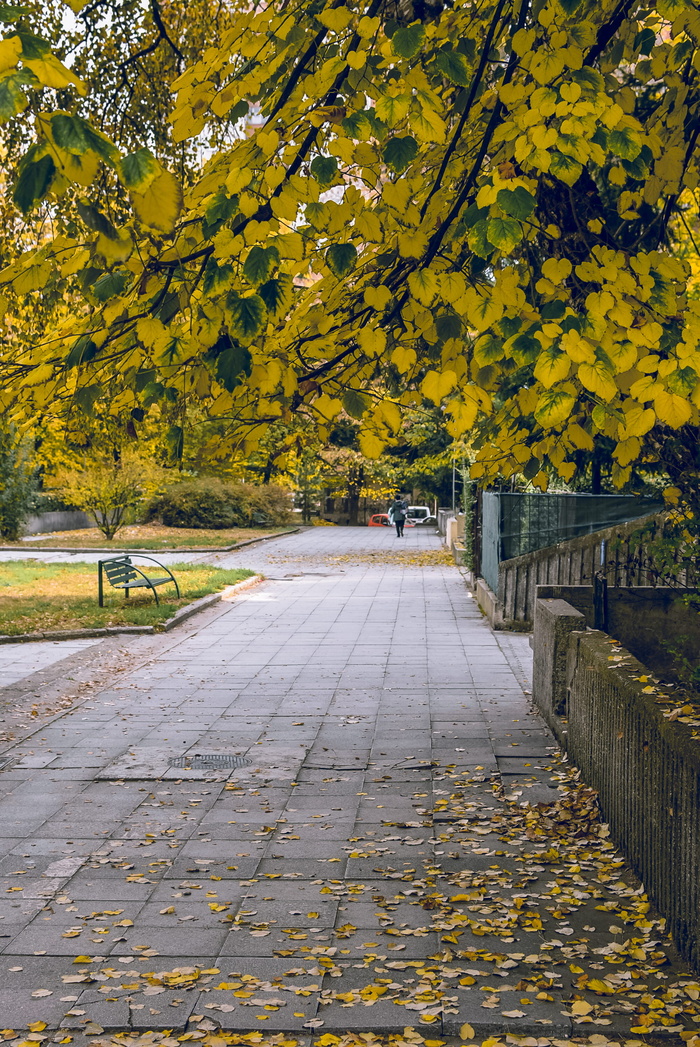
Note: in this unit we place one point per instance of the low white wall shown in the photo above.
(69, 520)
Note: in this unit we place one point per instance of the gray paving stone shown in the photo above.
(376, 715)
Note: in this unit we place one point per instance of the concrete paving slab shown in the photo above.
(374, 733)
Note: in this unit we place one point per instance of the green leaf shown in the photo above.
(9, 13)
(645, 41)
(341, 258)
(517, 203)
(86, 397)
(68, 133)
(407, 42)
(448, 325)
(33, 183)
(82, 350)
(175, 442)
(277, 294)
(33, 46)
(110, 285)
(357, 125)
(504, 233)
(247, 315)
(454, 67)
(554, 407)
(259, 264)
(324, 169)
(219, 210)
(478, 239)
(355, 403)
(399, 152)
(569, 7)
(75, 135)
(96, 221)
(525, 349)
(138, 169)
(233, 363)
(12, 98)
(216, 276)
(563, 167)
(625, 143)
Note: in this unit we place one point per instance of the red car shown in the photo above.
(382, 520)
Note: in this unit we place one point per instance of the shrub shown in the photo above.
(218, 504)
(18, 482)
(107, 489)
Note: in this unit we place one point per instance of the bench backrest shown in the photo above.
(119, 570)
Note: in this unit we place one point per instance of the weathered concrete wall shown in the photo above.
(647, 773)
(555, 620)
(69, 520)
(644, 619)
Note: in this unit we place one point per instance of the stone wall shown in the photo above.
(647, 773)
(646, 768)
(646, 620)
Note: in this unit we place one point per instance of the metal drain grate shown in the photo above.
(212, 762)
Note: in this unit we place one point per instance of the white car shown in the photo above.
(419, 515)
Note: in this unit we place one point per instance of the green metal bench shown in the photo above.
(121, 573)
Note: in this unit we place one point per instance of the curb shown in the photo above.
(139, 630)
(146, 552)
(208, 601)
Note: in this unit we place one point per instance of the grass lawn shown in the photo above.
(35, 597)
(148, 536)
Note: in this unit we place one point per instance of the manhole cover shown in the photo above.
(207, 763)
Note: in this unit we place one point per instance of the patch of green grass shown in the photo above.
(39, 597)
(150, 536)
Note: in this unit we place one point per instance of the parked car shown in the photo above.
(382, 520)
(419, 516)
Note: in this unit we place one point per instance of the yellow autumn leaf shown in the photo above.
(438, 384)
(596, 378)
(10, 51)
(52, 73)
(160, 205)
(371, 445)
(552, 366)
(112, 249)
(580, 1007)
(423, 284)
(672, 409)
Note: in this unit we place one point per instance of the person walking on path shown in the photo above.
(397, 513)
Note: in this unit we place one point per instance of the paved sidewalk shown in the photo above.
(370, 866)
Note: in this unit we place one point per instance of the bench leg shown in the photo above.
(100, 587)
